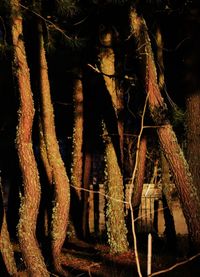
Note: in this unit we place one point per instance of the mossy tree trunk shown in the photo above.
(116, 227)
(77, 159)
(77, 156)
(31, 184)
(60, 179)
(115, 217)
(167, 138)
(107, 65)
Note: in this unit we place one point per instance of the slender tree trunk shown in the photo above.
(60, 179)
(137, 191)
(116, 228)
(6, 245)
(85, 193)
(77, 159)
(168, 141)
(107, 64)
(44, 156)
(31, 184)
(77, 156)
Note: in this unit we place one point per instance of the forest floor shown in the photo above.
(83, 259)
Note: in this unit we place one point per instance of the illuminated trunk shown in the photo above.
(5, 244)
(107, 64)
(193, 136)
(31, 184)
(78, 215)
(115, 217)
(167, 138)
(77, 156)
(59, 176)
(116, 227)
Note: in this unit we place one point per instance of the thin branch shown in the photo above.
(132, 186)
(47, 21)
(96, 69)
(174, 266)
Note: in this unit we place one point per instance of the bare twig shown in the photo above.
(132, 186)
(47, 21)
(174, 266)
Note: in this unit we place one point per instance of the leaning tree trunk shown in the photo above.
(107, 64)
(193, 136)
(116, 228)
(115, 218)
(59, 176)
(31, 183)
(168, 141)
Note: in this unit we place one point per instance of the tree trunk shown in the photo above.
(77, 156)
(5, 243)
(77, 159)
(193, 136)
(170, 230)
(116, 228)
(60, 179)
(85, 194)
(168, 141)
(107, 64)
(31, 184)
(137, 192)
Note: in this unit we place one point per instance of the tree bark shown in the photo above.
(107, 64)
(167, 138)
(137, 191)
(116, 227)
(5, 243)
(77, 156)
(193, 136)
(31, 183)
(60, 214)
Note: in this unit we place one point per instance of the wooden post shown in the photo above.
(149, 254)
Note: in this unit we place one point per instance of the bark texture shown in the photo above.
(59, 176)
(116, 227)
(137, 191)
(193, 136)
(6, 245)
(77, 156)
(107, 64)
(168, 141)
(31, 183)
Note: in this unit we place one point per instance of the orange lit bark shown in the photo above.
(59, 176)
(168, 141)
(31, 183)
